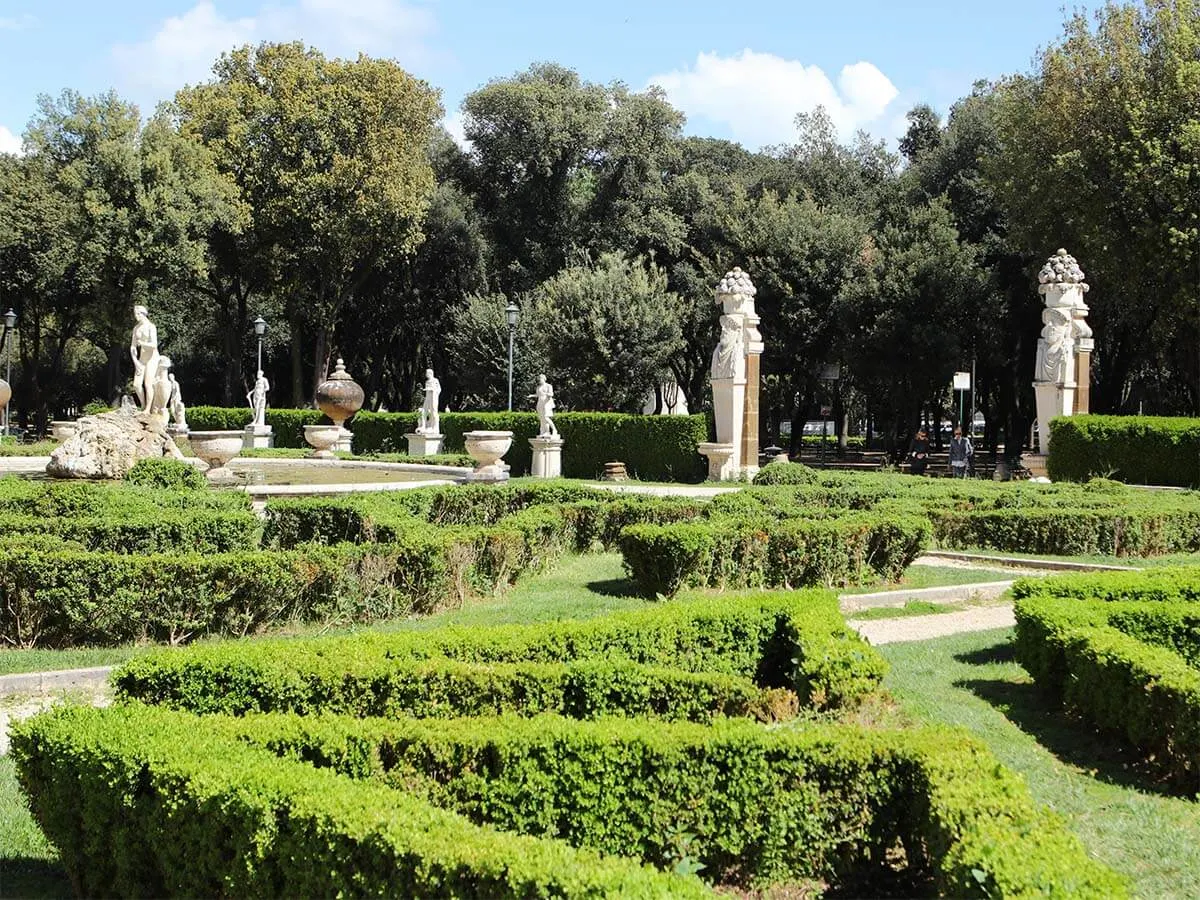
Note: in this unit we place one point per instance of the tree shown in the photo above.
(924, 132)
(332, 156)
(1100, 153)
(100, 214)
(609, 332)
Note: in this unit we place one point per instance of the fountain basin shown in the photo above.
(217, 448)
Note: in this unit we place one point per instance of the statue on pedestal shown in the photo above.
(258, 400)
(730, 350)
(160, 389)
(175, 404)
(1055, 363)
(143, 347)
(545, 408)
(428, 422)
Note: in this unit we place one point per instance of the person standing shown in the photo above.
(961, 452)
(918, 453)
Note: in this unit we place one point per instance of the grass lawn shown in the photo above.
(13, 661)
(1120, 813)
(29, 865)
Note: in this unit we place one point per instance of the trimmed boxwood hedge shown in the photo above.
(653, 448)
(796, 640)
(755, 805)
(1138, 449)
(1123, 650)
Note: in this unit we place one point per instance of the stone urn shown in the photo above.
(217, 448)
(340, 397)
(322, 438)
(487, 448)
(62, 431)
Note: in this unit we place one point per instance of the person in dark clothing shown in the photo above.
(961, 452)
(918, 453)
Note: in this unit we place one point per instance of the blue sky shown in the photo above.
(739, 70)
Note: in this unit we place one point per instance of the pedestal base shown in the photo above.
(345, 442)
(1035, 464)
(425, 444)
(1053, 400)
(220, 475)
(721, 463)
(258, 437)
(489, 474)
(547, 457)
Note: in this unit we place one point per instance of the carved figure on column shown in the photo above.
(544, 397)
(1054, 348)
(160, 390)
(429, 423)
(728, 358)
(175, 404)
(258, 399)
(143, 348)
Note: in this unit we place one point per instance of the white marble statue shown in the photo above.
(545, 408)
(160, 389)
(258, 400)
(730, 351)
(175, 404)
(1055, 363)
(143, 347)
(428, 423)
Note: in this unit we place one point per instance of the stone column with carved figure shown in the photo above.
(1062, 371)
(735, 378)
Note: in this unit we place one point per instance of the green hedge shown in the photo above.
(198, 531)
(796, 640)
(169, 474)
(653, 448)
(749, 805)
(142, 802)
(857, 548)
(1122, 650)
(1137, 449)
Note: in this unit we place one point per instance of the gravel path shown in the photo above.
(922, 628)
(21, 706)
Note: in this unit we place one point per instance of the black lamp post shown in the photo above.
(260, 328)
(511, 312)
(828, 376)
(10, 324)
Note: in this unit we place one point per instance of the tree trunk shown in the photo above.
(297, 349)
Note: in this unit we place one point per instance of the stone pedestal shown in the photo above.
(1083, 375)
(1052, 400)
(345, 442)
(547, 457)
(1035, 464)
(258, 437)
(614, 471)
(722, 463)
(420, 444)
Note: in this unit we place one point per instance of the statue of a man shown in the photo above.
(143, 347)
(729, 351)
(544, 397)
(429, 409)
(1055, 364)
(258, 399)
(175, 403)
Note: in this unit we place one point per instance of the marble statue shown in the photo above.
(175, 404)
(143, 347)
(428, 423)
(1055, 347)
(729, 351)
(160, 389)
(258, 399)
(545, 408)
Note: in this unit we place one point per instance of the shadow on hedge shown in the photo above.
(34, 878)
(1071, 740)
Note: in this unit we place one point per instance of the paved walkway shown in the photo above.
(922, 628)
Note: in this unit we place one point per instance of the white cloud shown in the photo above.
(184, 48)
(453, 123)
(9, 142)
(17, 23)
(757, 95)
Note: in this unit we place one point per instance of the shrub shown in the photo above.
(785, 473)
(170, 474)
(182, 531)
(243, 822)
(1138, 449)
(795, 640)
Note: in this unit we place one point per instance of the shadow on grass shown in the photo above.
(1103, 756)
(1004, 652)
(34, 878)
(614, 587)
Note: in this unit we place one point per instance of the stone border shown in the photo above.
(1012, 562)
(51, 682)
(950, 593)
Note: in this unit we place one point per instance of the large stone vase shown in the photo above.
(339, 396)
(487, 448)
(217, 448)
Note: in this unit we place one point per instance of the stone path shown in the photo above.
(922, 628)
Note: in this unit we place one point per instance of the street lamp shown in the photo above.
(260, 328)
(511, 313)
(828, 375)
(10, 323)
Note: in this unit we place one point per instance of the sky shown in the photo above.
(738, 70)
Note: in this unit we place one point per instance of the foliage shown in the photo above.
(785, 473)
(1138, 449)
(171, 474)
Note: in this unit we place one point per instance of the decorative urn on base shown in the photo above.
(339, 396)
(217, 448)
(487, 449)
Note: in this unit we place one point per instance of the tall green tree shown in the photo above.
(332, 157)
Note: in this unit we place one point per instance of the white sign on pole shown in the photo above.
(962, 381)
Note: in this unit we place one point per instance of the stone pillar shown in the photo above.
(754, 349)
(421, 444)
(1083, 377)
(735, 378)
(547, 457)
(1065, 346)
(255, 437)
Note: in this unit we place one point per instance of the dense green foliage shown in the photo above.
(166, 473)
(1137, 449)
(1123, 650)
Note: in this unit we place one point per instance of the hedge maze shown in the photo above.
(623, 756)
(1123, 650)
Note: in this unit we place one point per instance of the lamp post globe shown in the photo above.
(511, 313)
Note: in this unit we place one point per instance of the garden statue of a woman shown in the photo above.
(143, 347)
(545, 408)
(429, 409)
(258, 399)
